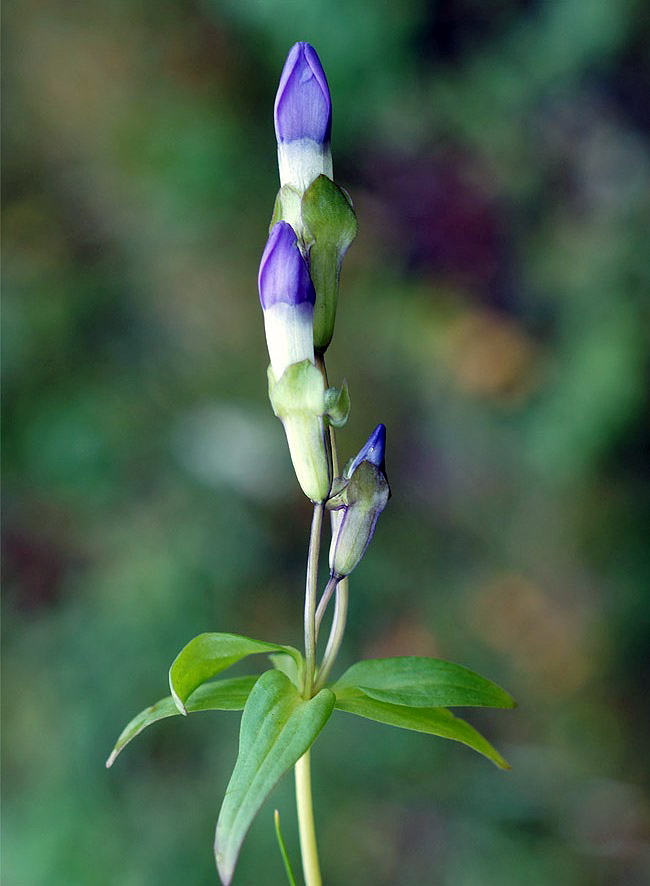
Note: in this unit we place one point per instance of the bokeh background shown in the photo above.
(494, 314)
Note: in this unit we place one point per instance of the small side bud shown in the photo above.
(361, 496)
(303, 119)
(337, 405)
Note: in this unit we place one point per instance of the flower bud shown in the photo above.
(361, 495)
(296, 386)
(303, 119)
(287, 298)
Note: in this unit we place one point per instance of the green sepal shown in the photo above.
(287, 208)
(422, 682)
(278, 726)
(337, 498)
(363, 499)
(207, 655)
(337, 405)
(327, 212)
(222, 695)
(300, 388)
(433, 721)
(298, 400)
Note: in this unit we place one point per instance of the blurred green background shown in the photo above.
(493, 313)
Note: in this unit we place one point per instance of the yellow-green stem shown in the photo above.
(308, 848)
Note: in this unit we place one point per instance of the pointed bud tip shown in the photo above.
(283, 274)
(372, 451)
(302, 104)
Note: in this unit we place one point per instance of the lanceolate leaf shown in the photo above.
(222, 695)
(434, 721)
(207, 655)
(422, 683)
(289, 666)
(277, 727)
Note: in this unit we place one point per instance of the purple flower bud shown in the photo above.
(283, 275)
(372, 451)
(360, 501)
(303, 120)
(287, 297)
(302, 104)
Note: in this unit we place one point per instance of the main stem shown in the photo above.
(304, 805)
(308, 848)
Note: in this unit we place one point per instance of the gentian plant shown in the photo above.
(285, 708)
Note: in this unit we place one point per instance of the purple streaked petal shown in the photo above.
(302, 104)
(373, 451)
(283, 275)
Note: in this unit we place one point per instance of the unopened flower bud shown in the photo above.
(303, 119)
(287, 297)
(296, 386)
(361, 496)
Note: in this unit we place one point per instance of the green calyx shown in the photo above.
(325, 225)
(327, 213)
(362, 498)
(337, 405)
(298, 400)
(299, 389)
(287, 208)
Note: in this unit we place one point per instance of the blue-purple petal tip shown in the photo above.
(372, 451)
(283, 275)
(302, 104)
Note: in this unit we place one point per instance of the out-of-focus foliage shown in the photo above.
(493, 313)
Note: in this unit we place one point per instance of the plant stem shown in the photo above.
(308, 849)
(341, 604)
(324, 600)
(310, 598)
(336, 634)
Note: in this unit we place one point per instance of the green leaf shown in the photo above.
(289, 666)
(207, 655)
(422, 683)
(283, 849)
(222, 695)
(277, 727)
(433, 721)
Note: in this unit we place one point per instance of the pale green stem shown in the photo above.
(310, 598)
(341, 605)
(308, 849)
(324, 600)
(336, 634)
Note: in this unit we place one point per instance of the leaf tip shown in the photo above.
(111, 758)
(180, 707)
(225, 871)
